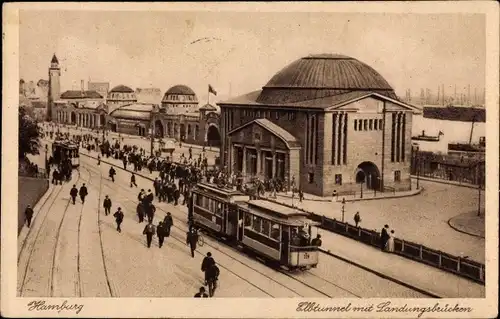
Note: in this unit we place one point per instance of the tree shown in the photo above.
(29, 134)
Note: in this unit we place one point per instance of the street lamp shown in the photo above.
(343, 208)
(46, 160)
(479, 200)
(361, 186)
(417, 157)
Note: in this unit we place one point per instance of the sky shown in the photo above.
(245, 49)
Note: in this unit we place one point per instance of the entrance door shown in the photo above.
(285, 239)
(368, 174)
(268, 166)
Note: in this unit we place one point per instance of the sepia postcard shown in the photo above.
(342, 158)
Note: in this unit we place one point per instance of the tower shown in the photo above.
(54, 86)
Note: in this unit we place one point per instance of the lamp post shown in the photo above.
(343, 208)
(479, 200)
(46, 159)
(361, 187)
(417, 157)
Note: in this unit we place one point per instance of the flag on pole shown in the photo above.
(211, 90)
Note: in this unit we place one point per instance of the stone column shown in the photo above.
(259, 162)
(274, 165)
(244, 163)
(340, 121)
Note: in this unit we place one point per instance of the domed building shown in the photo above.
(181, 118)
(179, 99)
(326, 124)
(120, 95)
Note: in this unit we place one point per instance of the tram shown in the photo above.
(274, 232)
(64, 150)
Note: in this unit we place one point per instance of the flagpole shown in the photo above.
(208, 95)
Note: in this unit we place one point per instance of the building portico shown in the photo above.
(262, 149)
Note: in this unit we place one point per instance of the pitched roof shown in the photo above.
(78, 94)
(274, 129)
(208, 107)
(249, 99)
(54, 59)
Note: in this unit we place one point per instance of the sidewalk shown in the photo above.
(413, 274)
(367, 195)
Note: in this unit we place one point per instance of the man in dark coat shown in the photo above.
(107, 205)
(112, 173)
(150, 197)
(28, 213)
(160, 232)
(140, 212)
(156, 186)
(149, 231)
(316, 241)
(384, 236)
(132, 180)
(177, 194)
(55, 176)
(211, 276)
(192, 240)
(119, 219)
(168, 222)
(150, 211)
(207, 262)
(73, 193)
(83, 192)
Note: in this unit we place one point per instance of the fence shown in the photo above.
(460, 266)
(448, 167)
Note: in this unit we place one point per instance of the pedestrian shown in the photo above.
(177, 194)
(160, 232)
(207, 262)
(384, 236)
(357, 219)
(150, 197)
(301, 195)
(98, 159)
(151, 209)
(119, 219)
(55, 176)
(112, 173)
(140, 212)
(149, 231)
(212, 276)
(83, 192)
(28, 213)
(390, 242)
(168, 222)
(316, 241)
(201, 293)
(156, 186)
(140, 197)
(192, 240)
(73, 193)
(132, 180)
(107, 205)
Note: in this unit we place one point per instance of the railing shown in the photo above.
(454, 264)
(464, 267)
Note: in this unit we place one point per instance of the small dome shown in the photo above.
(121, 89)
(321, 75)
(181, 90)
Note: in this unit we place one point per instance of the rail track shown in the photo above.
(301, 279)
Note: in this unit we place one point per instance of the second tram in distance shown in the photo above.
(64, 150)
(275, 232)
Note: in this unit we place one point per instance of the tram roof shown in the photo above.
(65, 143)
(275, 209)
(291, 220)
(219, 191)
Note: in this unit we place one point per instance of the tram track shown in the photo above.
(21, 288)
(281, 271)
(311, 274)
(106, 275)
(138, 238)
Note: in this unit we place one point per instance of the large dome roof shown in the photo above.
(180, 89)
(322, 75)
(121, 89)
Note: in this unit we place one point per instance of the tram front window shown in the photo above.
(266, 227)
(300, 237)
(256, 224)
(248, 221)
